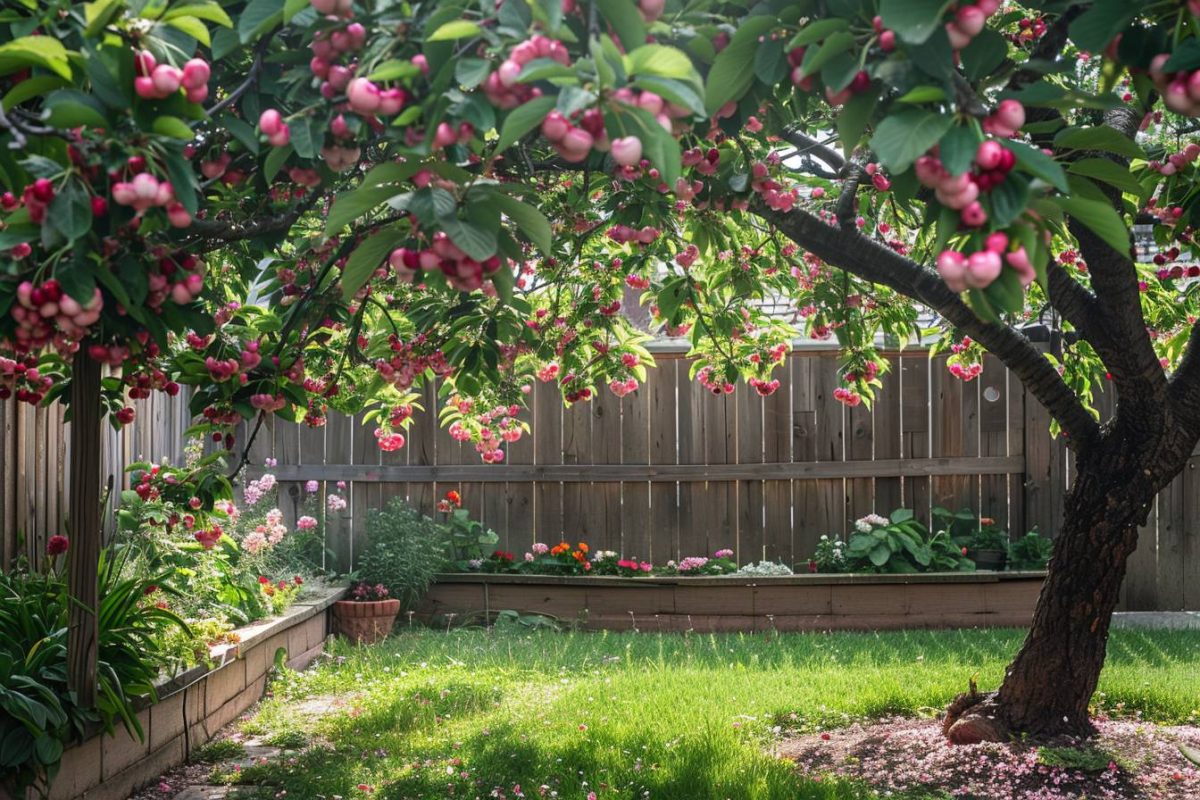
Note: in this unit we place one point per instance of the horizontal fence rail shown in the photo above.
(667, 471)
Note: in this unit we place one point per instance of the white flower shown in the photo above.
(862, 526)
(765, 568)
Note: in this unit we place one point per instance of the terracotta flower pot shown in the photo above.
(365, 622)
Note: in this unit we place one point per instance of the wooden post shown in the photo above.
(84, 522)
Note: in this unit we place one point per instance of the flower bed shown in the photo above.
(739, 602)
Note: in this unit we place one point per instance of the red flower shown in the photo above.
(454, 497)
(151, 589)
(263, 579)
(57, 545)
(812, 565)
(298, 580)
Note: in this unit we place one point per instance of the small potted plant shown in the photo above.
(407, 551)
(988, 547)
(368, 616)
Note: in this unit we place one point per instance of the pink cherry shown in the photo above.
(627, 150)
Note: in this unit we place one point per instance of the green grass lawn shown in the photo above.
(640, 715)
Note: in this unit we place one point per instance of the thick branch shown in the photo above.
(215, 230)
(806, 145)
(1185, 385)
(867, 259)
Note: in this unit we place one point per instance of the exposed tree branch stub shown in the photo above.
(867, 259)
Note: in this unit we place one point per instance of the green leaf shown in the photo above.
(1101, 218)
(367, 257)
(183, 178)
(71, 212)
(275, 160)
(958, 148)
(455, 29)
(174, 127)
(1102, 169)
(880, 554)
(852, 122)
(192, 27)
(531, 221)
(914, 21)
(34, 51)
(470, 72)
(901, 515)
(732, 71)
(834, 45)
(626, 21)
(224, 43)
(98, 14)
(77, 274)
(349, 206)
(770, 63)
(257, 18)
(1008, 200)
(71, 109)
(659, 146)
(1033, 161)
(660, 60)
(673, 91)
(984, 55)
(208, 10)
(33, 87)
(817, 30)
(902, 138)
(1100, 137)
(1101, 23)
(473, 240)
(1006, 293)
(522, 119)
(923, 94)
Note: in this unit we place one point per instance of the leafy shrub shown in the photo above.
(829, 557)
(765, 569)
(39, 715)
(406, 551)
(901, 544)
(1031, 551)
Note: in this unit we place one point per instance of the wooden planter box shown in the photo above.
(791, 603)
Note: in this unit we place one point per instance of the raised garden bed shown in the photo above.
(732, 603)
(194, 705)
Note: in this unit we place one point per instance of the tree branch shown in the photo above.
(260, 50)
(866, 258)
(806, 145)
(214, 230)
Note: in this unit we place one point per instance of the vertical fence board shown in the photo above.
(750, 545)
(887, 436)
(914, 425)
(660, 395)
(635, 497)
(604, 499)
(993, 441)
(1191, 536)
(547, 449)
(777, 449)
(808, 522)
(518, 497)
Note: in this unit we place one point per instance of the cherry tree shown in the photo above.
(293, 206)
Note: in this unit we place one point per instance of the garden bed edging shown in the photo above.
(741, 603)
(193, 705)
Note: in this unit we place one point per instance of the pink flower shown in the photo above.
(306, 523)
(57, 545)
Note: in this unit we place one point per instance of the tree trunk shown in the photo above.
(1048, 686)
(84, 521)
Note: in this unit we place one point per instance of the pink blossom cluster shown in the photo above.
(335, 503)
(691, 564)
(306, 523)
(256, 490)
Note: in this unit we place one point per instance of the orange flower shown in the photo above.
(579, 556)
(559, 548)
(986, 521)
(454, 497)
(583, 547)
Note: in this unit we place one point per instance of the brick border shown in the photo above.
(194, 705)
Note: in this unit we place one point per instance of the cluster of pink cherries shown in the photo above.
(156, 81)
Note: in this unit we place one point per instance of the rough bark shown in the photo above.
(84, 525)
(1048, 686)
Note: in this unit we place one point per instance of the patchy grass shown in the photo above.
(218, 750)
(474, 714)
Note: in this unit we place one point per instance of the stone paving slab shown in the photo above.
(204, 793)
(1158, 620)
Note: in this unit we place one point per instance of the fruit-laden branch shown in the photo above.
(871, 261)
(220, 231)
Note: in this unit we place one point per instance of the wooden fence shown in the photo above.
(34, 457)
(670, 470)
